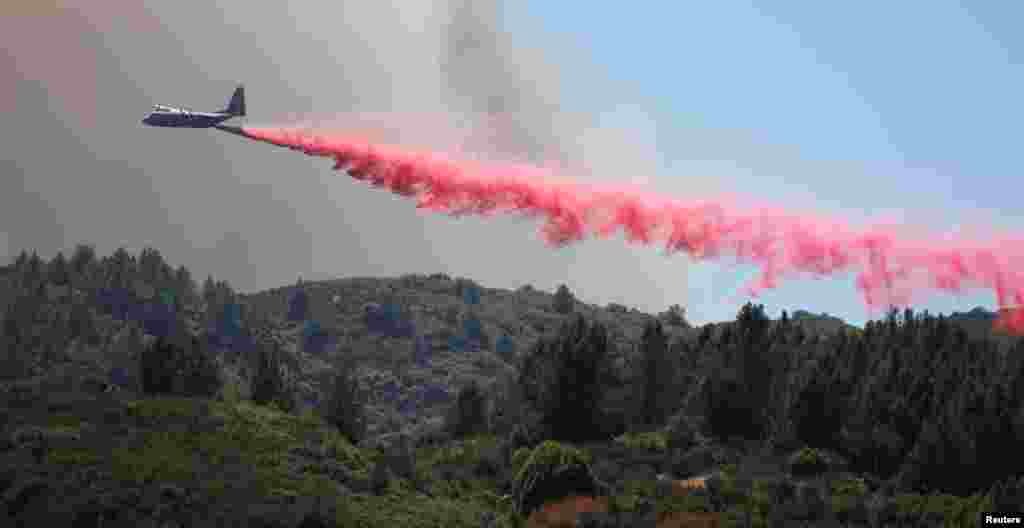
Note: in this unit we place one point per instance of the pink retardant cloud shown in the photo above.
(893, 264)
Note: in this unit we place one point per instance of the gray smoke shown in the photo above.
(488, 76)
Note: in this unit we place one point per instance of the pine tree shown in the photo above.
(676, 316)
(268, 383)
(346, 406)
(150, 266)
(121, 269)
(184, 286)
(657, 380)
(82, 260)
(33, 271)
(298, 305)
(165, 277)
(818, 413)
(21, 262)
(59, 271)
(469, 414)
(705, 336)
(209, 291)
(177, 363)
(82, 325)
(571, 409)
(563, 301)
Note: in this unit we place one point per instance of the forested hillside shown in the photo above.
(440, 402)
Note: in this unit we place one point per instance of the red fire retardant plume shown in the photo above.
(891, 269)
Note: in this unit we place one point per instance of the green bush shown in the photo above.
(252, 443)
(854, 487)
(547, 460)
(808, 462)
(654, 440)
(955, 511)
(633, 492)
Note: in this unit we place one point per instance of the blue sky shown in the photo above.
(847, 109)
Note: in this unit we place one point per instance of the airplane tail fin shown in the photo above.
(236, 106)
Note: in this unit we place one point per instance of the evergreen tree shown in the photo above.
(83, 259)
(184, 286)
(469, 414)
(346, 407)
(298, 306)
(268, 383)
(676, 316)
(151, 266)
(209, 291)
(120, 271)
(165, 277)
(33, 275)
(82, 324)
(576, 357)
(730, 409)
(818, 414)
(21, 262)
(657, 380)
(178, 364)
(225, 293)
(563, 301)
(705, 336)
(59, 271)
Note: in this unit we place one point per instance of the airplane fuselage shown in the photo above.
(173, 117)
(180, 118)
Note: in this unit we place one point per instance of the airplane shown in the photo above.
(167, 116)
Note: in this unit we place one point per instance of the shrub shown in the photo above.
(655, 441)
(551, 468)
(681, 434)
(855, 487)
(807, 462)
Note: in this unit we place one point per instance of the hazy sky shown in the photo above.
(847, 110)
